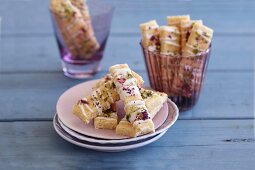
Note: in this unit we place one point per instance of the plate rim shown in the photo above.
(113, 138)
(107, 148)
(117, 141)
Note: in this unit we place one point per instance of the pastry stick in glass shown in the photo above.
(185, 28)
(77, 33)
(150, 35)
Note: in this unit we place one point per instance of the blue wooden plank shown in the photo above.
(34, 95)
(220, 15)
(188, 144)
(41, 53)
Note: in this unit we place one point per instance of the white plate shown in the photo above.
(172, 117)
(102, 148)
(72, 95)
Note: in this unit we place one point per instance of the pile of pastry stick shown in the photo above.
(176, 54)
(140, 104)
(74, 25)
(182, 36)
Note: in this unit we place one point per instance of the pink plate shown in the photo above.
(72, 95)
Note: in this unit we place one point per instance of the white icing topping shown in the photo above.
(130, 81)
(87, 106)
(169, 29)
(152, 48)
(186, 25)
(148, 36)
(173, 38)
(190, 46)
(96, 102)
(136, 104)
(129, 91)
(83, 111)
(121, 72)
(172, 43)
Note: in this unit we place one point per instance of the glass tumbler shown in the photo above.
(180, 77)
(81, 66)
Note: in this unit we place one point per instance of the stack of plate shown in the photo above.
(72, 129)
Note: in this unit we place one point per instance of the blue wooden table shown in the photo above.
(217, 134)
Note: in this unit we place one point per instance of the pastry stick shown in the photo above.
(199, 40)
(77, 32)
(185, 28)
(82, 6)
(154, 102)
(87, 46)
(97, 102)
(101, 99)
(169, 37)
(107, 120)
(188, 81)
(150, 35)
(136, 111)
(109, 78)
(176, 20)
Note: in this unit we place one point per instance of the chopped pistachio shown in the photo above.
(129, 75)
(195, 51)
(146, 94)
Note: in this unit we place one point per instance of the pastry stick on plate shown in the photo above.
(154, 102)
(136, 110)
(97, 102)
(102, 98)
(107, 120)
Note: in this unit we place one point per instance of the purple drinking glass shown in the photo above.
(180, 77)
(81, 67)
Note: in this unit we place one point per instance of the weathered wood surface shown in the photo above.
(41, 54)
(211, 145)
(34, 95)
(32, 16)
(217, 134)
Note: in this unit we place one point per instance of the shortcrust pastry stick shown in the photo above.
(136, 110)
(199, 40)
(107, 120)
(191, 66)
(185, 29)
(169, 37)
(176, 20)
(77, 32)
(150, 35)
(96, 103)
(154, 102)
(103, 96)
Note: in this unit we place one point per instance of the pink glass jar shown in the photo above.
(180, 77)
